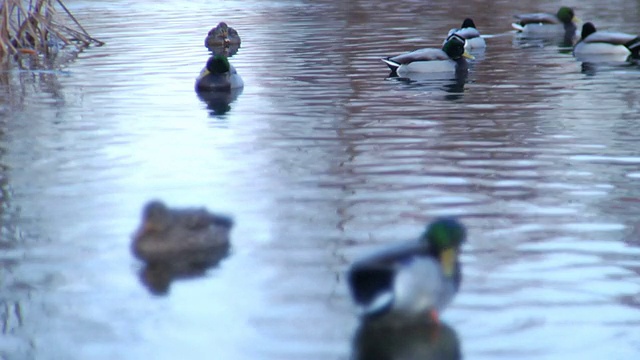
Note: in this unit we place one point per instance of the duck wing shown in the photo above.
(428, 54)
(616, 38)
(371, 279)
(537, 18)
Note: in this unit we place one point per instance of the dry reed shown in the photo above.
(35, 27)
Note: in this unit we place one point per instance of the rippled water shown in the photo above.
(320, 159)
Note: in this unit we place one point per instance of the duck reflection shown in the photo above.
(219, 102)
(453, 84)
(158, 275)
(420, 340)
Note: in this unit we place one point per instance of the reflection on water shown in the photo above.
(158, 275)
(416, 341)
(219, 102)
(321, 160)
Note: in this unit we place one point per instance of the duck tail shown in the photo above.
(634, 47)
(517, 27)
(391, 64)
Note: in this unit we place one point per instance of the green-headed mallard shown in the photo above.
(172, 234)
(452, 57)
(606, 44)
(545, 25)
(469, 32)
(218, 75)
(222, 35)
(416, 279)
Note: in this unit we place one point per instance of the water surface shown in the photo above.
(320, 159)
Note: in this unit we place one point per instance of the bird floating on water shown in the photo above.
(452, 57)
(412, 280)
(218, 75)
(170, 234)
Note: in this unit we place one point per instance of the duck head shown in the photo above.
(454, 47)
(444, 237)
(566, 15)
(468, 23)
(218, 64)
(587, 29)
(155, 218)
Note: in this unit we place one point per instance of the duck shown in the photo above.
(595, 43)
(452, 57)
(167, 234)
(413, 280)
(222, 35)
(218, 75)
(544, 24)
(470, 33)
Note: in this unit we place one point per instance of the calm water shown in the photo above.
(320, 159)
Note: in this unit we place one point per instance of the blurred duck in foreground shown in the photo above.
(412, 281)
(167, 235)
(222, 35)
(606, 45)
(452, 57)
(546, 25)
(468, 31)
(218, 75)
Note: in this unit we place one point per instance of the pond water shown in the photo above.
(320, 160)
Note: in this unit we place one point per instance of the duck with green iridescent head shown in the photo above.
(450, 58)
(218, 75)
(544, 25)
(606, 46)
(411, 281)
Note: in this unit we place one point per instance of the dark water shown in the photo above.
(320, 159)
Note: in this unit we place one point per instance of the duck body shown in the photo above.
(218, 75)
(410, 280)
(448, 59)
(173, 234)
(470, 33)
(605, 44)
(222, 35)
(535, 25)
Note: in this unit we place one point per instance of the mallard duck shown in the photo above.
(410, 280)
(451, 57)
(543, 24)
(469, 32)
(171, 234)
(218, 75)
(605, 43)
(222, 35)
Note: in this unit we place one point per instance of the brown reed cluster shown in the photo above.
(35, 27)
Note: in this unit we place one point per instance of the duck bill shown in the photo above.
(466, 55)
(448, 261)
(576, 20)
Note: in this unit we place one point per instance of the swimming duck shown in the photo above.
(469, 32)
(543, 24)
(222, 35)
(171, 234)
(605, 43)
(218, 75)
(413, 279)
(451, 57)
